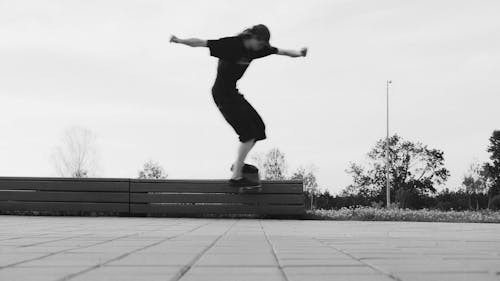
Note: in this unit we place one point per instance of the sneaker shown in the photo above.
(243, 182)
(247, 168)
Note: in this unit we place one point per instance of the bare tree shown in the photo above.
(257, 159)
(307, 175)
(272, 165)
(474, 183)
(152, 170)
(76, 155)
(275, 165)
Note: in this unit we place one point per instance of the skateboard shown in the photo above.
(251, 173)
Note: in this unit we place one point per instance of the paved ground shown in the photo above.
(104, 248)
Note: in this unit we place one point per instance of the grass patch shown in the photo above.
(394, 214)
(359, 213)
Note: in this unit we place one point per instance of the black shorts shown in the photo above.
(241, 115)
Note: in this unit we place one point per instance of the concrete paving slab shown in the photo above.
(238, 259)
(247, 273)
(49, 273)
(155, 259)
(468, 276)
(128, 273)
(111, 248)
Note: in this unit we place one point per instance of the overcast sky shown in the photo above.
(108, 66)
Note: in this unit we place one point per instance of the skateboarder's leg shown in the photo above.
(243, 150)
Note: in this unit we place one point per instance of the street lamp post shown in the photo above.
(387, 149)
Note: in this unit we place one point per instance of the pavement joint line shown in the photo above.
(49, 241)
(390, 275)
(107, 265)
(280, 267)
(62, 251)
(485, 272)
(449, 271)
(35, 235)
(21, 237)
(325, 265)
(188, 267)
(65, 250)
(237, 265)
(73, 275)
(71, 249)
(284, 266)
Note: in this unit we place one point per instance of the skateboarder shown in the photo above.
(235, 54)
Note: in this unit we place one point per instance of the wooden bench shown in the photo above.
(138, 197)
(64, 195)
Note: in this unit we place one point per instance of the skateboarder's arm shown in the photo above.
(292, 53)
(193, 42)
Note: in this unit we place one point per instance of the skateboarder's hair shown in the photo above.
(259, 31)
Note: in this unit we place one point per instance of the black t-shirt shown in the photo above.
(234, 59)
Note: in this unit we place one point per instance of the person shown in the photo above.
(235, 54)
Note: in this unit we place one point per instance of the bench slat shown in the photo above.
(210, 187)
(63, 179)
(65, 185)
(216, 198)
(74, 196)
(196, 181)
(215, 209)
(64, 206)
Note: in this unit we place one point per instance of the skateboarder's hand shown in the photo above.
(303, 52)
(174, 39)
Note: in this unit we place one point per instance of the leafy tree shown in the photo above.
(325, 200)
(152, 170)
(492, 170)
(445, 200)
(362, 183)
(414, 171)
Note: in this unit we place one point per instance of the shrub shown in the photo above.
(495, 203)
(397, 214)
